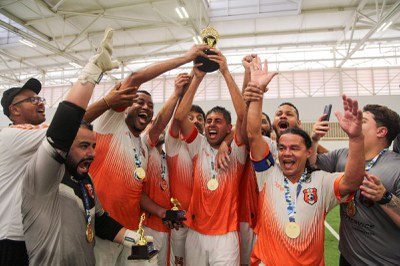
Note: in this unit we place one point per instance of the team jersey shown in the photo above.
(214, 212)
(18, 143)
(154, 186)
(180, 168)
(319, 194)
(113, 168)
(248, 192)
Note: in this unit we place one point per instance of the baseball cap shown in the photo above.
(9, 95)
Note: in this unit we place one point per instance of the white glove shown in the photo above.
(131, 238)
(100, 62)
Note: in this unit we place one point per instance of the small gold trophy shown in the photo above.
(210, 37)
(175, 215)
(144, 250)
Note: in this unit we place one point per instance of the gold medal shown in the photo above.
(351, 208)
(212, 184)
(139, 173)
(89, 232)
(292, 230)
(163, 185)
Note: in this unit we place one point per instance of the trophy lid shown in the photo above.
(210, 36)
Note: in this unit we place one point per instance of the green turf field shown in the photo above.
(331, 243)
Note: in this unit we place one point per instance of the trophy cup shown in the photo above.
(144, 250)
(210, 37)
(175, 215)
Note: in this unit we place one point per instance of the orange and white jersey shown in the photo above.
(214, 212)
(319, 194)
(248, 192)
(180, 169)
(154, 186)
(113, 168)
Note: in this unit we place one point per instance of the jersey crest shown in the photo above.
(310, 195)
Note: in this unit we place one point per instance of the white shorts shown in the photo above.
(108, 253)
(161, 243)
(247, 241)
(216, 250)
(178, 240)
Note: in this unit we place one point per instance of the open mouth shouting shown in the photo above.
(83, 165)
(143, 117)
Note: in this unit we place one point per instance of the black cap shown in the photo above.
(9, 95)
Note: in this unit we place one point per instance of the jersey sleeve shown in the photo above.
(21, 141)
(111, 122)
(194, 142)
(172, 144)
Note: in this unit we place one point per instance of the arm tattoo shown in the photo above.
(394, 204)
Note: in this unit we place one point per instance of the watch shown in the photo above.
(386, 198)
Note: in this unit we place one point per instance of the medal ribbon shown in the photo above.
(163, 165)
(137, 155)
(290, 205)
(85, 202)
(371, 163)
(213, 172)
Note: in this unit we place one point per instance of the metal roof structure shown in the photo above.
(48, 39)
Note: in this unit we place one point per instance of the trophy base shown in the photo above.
(208, 65)
(175, 216)
(145, 252)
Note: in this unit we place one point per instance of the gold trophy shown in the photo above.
(144, 250)
(210, 37)
(175, 215)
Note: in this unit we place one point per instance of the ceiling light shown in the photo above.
(74, 65)
(26, 42)
(384, 26)
(197, 39)
(182, 13)
(387, 26)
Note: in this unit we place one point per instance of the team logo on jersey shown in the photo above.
(90, 190)
(310, 195)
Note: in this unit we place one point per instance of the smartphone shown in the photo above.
(327, 111)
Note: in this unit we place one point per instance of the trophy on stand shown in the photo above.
(175, 215)
(210, 37)
(144, 250)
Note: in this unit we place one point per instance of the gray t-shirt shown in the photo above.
(53, 213)
(370, 237)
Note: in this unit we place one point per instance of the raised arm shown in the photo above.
(181, 114)
(165, 114)
(320, 129)
(236, 95)
(150, 72)
(351, 122)
(246, 61)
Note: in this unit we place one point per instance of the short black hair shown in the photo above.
(294, 107)
(87, 125)
(144, 92)
(223, 111)
(198, 109)
(269, 120)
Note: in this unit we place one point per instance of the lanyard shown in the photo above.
(163, 165)
(371, 163)
(85, 202)
(290, 205)
(137, 155)
(213, 172)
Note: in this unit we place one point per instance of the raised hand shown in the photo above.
(220, 59)
(259, 73)
(320, 129)
(181, 82)
(196, 50)
(119, 99)
(103, 56)
(252, 93)
(246, 61)
(351, 120)
(372, 187)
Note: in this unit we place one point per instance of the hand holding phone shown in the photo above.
(327, 111)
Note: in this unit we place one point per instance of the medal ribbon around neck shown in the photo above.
(86, 206)
(163, 183)
(290, 205)
(213, 172)
(371, 163)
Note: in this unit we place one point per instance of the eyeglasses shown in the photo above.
(35, 100)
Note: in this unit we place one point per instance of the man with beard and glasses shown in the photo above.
(212, 215)
(18, 142)
(60, 210)
(294, 199)
(120, 167)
